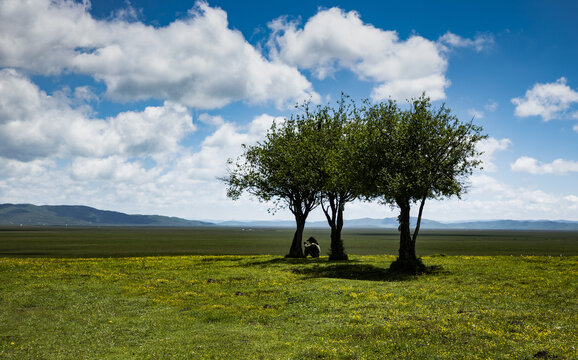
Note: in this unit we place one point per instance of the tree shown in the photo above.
(339, 176)
(413, 155)
(283, 169)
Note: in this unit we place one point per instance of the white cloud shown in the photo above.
(111, 168)
(184, 184)
(10, 168)
(482, 183)
(35, 125)
(404, 89)
(334, 39)
(479, 43)
(491, 199)
(533, 166)
(487, 199)
(85, 94)
(211, 120)
(197, 61)
(572, 198)
(156, 129)
(548, 100)
(489, 146)
(225, 143)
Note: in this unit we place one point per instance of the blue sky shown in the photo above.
(135, 106)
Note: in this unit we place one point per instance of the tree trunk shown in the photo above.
(337, 249)
(406, 261)
(335, 221)
(296, 250)
(416, 231)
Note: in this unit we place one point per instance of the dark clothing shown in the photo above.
(312, 248)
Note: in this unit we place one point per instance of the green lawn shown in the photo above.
(114, 293)
(267, 307)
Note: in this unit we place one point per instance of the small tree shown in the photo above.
(281, 169)
(414, 155)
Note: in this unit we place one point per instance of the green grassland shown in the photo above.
(142, 241)
(100, 294)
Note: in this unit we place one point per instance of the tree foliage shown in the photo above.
(283, 168)
(329, 156)
(340, 179)
(417, 154)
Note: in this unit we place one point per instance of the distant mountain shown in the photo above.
(357, 223)
(259, 223)
(391, 223)
(515, 225)
(62, 215)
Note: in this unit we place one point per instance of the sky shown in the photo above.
(136, 105)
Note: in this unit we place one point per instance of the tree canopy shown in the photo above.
(329, 156)
(282, 169)
(417, 154)
(337, 152)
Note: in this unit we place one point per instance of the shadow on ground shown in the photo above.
(350, 270)
(294, 261)
(362, 272)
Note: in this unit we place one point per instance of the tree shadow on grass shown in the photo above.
(349, 270)
(362, 272)
(292, 261)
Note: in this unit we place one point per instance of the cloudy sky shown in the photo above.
(135, 106)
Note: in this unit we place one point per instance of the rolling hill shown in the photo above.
(71, 215)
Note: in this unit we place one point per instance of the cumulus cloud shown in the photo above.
(548, 100)
(35, 125)
(483, 183)
(334, 39)
(211, 120)
(113, 168)
(225, 143)
(197, 61)
(533, 166)
(490, 146)
(493, 199)
(10, 168)
(184, 184)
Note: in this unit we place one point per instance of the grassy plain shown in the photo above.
(126, 242)
(76, 296)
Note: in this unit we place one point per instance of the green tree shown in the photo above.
(283, 168)
(413, 155)
(338, 153)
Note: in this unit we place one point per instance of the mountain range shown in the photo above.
(73, 215)
(391, 223)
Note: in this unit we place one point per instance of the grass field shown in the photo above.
(87, 294)
(123, 242)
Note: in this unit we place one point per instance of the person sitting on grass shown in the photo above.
(312, 247)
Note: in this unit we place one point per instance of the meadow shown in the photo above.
(143, 241)
(102, 294)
